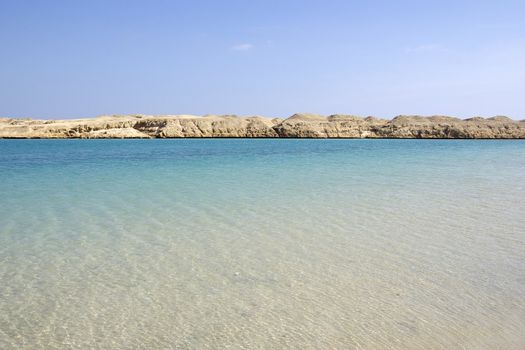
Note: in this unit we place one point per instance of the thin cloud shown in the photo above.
(242, 47)
(424, 48)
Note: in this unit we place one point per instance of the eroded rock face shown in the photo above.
(348, 126)
(338, 126)
(296, 126)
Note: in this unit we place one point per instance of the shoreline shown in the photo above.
(298, 126)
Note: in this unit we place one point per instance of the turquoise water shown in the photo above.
(233, 243)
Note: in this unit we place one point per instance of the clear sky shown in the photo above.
(65, 59)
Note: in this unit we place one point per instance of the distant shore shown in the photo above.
(296, 126)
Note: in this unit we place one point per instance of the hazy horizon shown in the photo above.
(255, 115)
(74, 60)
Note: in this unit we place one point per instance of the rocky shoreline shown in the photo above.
(296, 126)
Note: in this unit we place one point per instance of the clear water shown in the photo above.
(231, 243)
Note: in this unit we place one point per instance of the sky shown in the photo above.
(72, 59)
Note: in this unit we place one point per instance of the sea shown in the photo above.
(262, 244)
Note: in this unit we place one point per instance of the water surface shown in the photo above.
(217, 243)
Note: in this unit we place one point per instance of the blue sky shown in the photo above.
(69, 59)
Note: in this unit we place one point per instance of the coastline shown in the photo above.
(231, 126)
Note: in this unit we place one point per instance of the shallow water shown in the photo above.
(217, 243)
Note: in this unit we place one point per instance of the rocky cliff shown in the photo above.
(296, 126)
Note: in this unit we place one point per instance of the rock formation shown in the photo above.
(296, 126)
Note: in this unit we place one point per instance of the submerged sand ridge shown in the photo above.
(296, 126)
